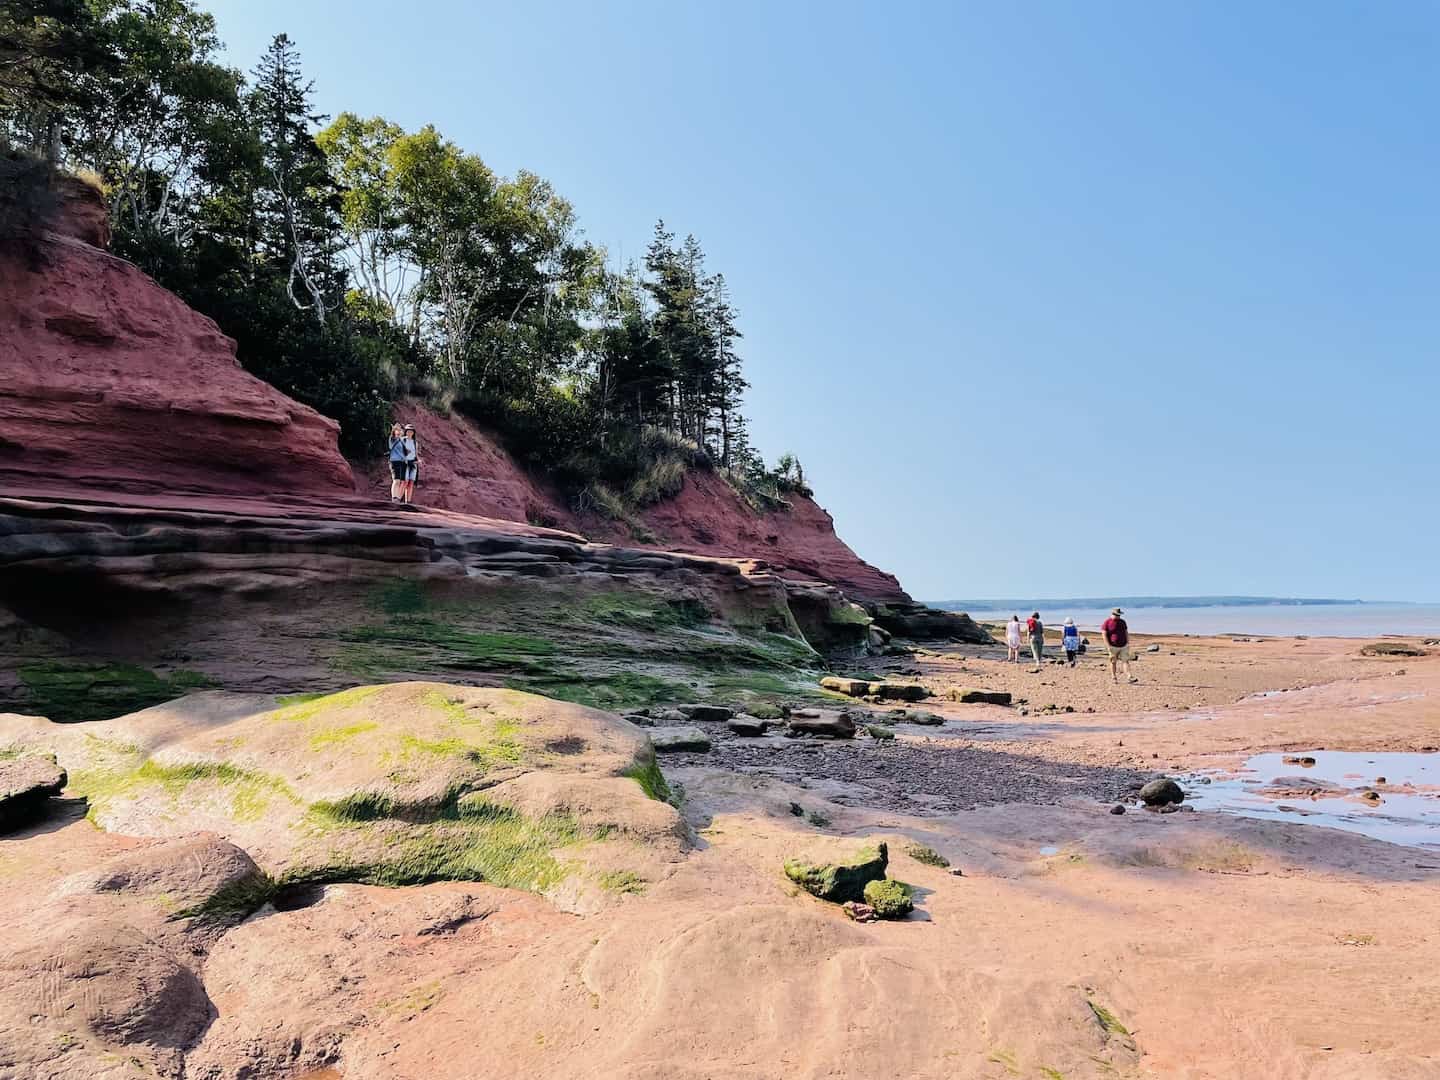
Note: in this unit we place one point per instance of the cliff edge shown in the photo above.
(109, 382)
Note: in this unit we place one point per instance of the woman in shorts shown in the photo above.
(397, 462)
(412, 464)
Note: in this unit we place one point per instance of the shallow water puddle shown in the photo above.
(1393, 797)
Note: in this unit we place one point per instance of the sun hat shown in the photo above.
(1116, 611)
(1069, 622)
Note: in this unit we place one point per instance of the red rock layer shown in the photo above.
(108, 381)
(709, 518)
(465, 470)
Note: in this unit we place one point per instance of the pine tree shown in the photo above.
(296, 202)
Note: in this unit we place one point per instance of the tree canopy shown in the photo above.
(355, 261)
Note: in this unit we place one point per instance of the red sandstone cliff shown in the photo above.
(466, 470)
(109, 382)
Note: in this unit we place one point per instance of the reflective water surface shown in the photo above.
(1389, 796)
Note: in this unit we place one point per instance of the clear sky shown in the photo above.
(1052, 298)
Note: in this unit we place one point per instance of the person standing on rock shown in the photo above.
(412, 465)
(397, 461)
(1117, 642)
(1012, 639)
(1070, 639)
(1037, 638)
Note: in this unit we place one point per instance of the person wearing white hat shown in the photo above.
(1070, 639)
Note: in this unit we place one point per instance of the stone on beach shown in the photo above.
(889, 899)
(1161, 792)
(837, 725)
(747, 726)
(843, 881)
(679, 739)
(705, 712)
(849, 687)
(27, 782)
(975, 696)
(888, 691)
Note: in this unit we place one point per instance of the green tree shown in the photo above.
(296, 201)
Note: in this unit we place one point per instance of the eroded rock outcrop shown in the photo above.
(109, 382)
(107, 608)
(467, 470)
(388, 784)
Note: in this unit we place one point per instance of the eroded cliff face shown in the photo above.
(109, 382)
(466, 469)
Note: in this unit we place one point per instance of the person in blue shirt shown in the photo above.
(1070, 639)
(397, 462)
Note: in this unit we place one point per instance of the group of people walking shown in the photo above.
(1115, 630)
(404, 463)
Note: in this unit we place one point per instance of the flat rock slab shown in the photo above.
(888, 691)
(837, 725)
(705, 712)
(973, 696)
(747, 726)
(26, 782)
(925, 719)
(680, 739)
(850, 687)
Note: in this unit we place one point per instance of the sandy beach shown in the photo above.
(1072, 942)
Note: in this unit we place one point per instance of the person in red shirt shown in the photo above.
(1117, 642)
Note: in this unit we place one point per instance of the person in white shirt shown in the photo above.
(1012, 638)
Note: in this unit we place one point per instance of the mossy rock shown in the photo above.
(390, 785)
(839, 882)
(927, 855)
(891, 899)
(879, 731)
(76, 692)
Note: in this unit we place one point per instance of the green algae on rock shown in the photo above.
(889, 898)
(839, 882)
(396, 784)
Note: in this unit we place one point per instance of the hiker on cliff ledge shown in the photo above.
(397, 461)
(411, 453)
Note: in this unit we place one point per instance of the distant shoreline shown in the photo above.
(1149, 602)
(1209, 617)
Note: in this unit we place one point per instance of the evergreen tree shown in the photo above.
(296, 203)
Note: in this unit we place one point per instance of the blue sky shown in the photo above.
(1050, 298)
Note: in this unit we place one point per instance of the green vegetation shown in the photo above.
(337, 735)
(416, 1001)
(302, 708)
(233, 902)
(371, 839)
(623, 881)
(927, 855)
(1107, 1019)
(118, 776)
(819, 820)
(840, 882)
(74, 692)
(362, 261)
(891, 899)
(617, 691)
(651, 780)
